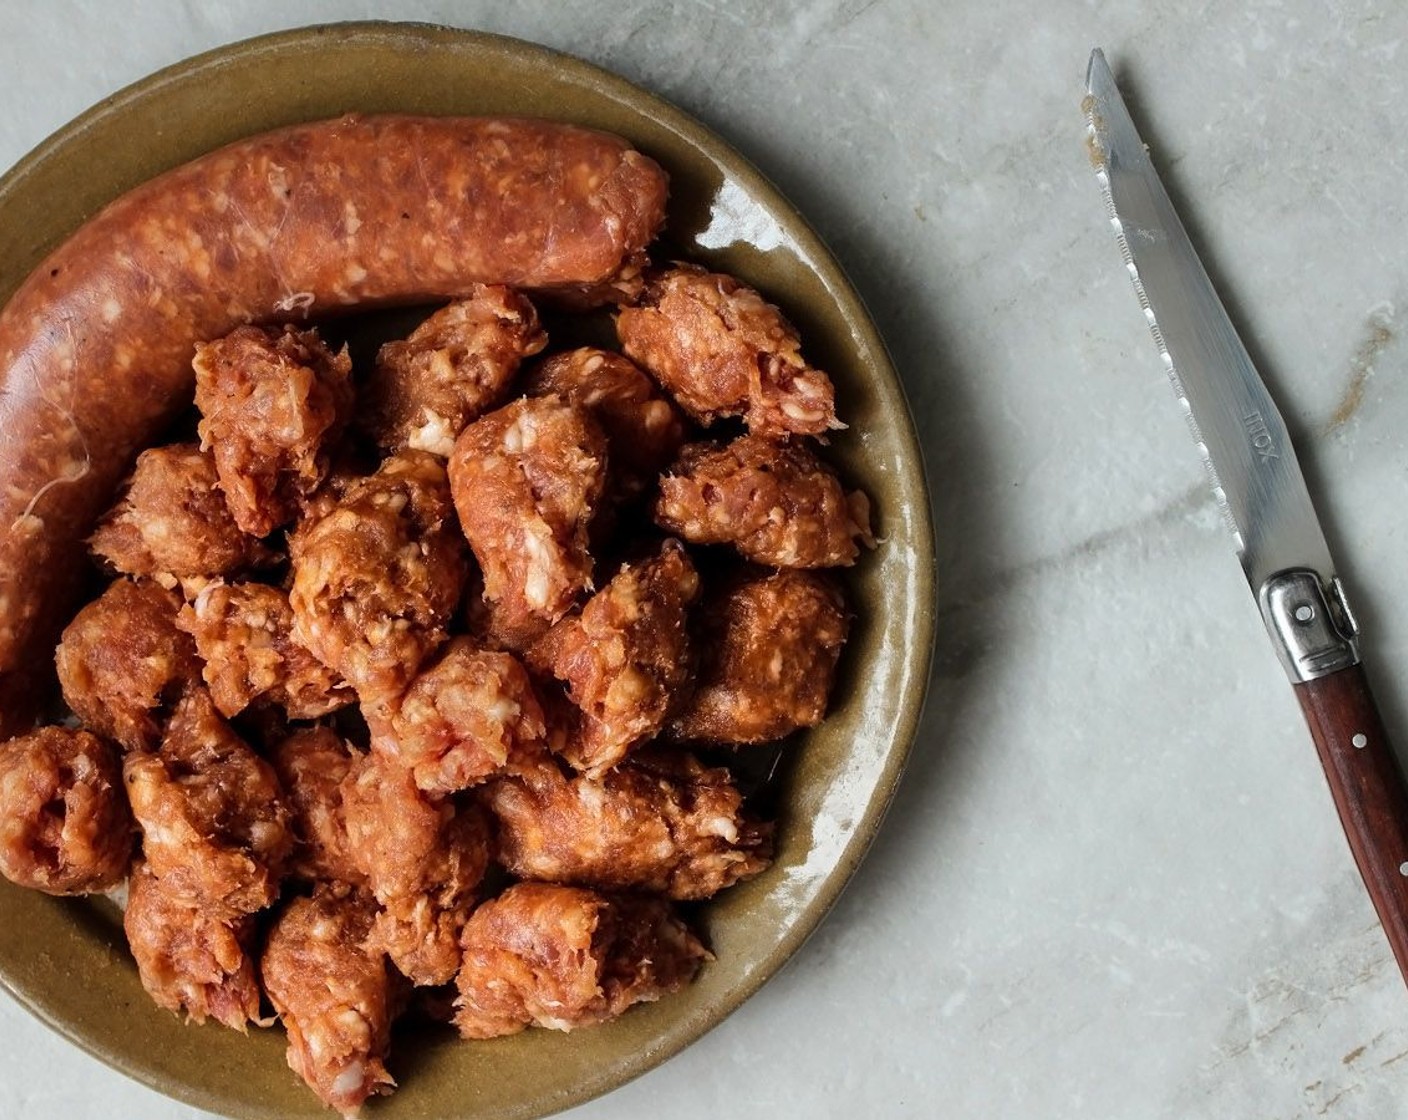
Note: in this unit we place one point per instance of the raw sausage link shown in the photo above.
(96, 345)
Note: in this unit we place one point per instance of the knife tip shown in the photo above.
(1098, 71)
(1098, 81)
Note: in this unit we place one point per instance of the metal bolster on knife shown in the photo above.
(1311, 626)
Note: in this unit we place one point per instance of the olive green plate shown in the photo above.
(65, 960)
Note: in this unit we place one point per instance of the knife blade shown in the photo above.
(1261, 491)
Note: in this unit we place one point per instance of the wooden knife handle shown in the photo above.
(1369, 791)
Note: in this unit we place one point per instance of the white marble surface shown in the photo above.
(1112, 884)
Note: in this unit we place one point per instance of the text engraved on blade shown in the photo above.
(1261, 438)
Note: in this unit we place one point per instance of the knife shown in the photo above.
(1258, 485)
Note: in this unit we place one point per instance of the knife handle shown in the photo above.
(1367, 785)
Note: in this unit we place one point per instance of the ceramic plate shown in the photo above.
(65, 959)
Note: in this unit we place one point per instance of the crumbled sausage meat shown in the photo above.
(770, 643)
(460, 719)
(423, 859)
(453, 367)
(563, 957)
(721, 350)
(213, 819)
(188, 959)
(172, 521)
(643, 429)
(64, 823)
(122, 660)
(776, 503)
(378, 576)
(311, 763)
(244, 634)
(335, 996)
(625, 657)
(655, 823)
(526, 481)
(271, 402)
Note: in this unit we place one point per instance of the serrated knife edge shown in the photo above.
(1100, 162)
(1170, 368)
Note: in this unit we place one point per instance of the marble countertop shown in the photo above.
(1112, 883)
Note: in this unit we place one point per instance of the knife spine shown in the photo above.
(1102, 176)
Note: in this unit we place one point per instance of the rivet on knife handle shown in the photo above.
(1262, 493)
